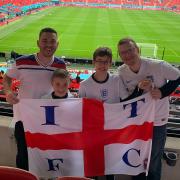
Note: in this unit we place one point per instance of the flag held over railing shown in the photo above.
(85, 137)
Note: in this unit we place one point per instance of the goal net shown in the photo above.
(148, 49)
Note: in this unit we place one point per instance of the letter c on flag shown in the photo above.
(126, 160)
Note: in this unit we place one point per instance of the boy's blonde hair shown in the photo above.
(61, 73)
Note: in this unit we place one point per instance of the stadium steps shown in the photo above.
(6, 109)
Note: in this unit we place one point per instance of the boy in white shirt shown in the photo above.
(102, 85)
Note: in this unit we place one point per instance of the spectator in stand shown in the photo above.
(1, 74)
(15, 55)
(78, 79)
(34, 72)
(135, 69)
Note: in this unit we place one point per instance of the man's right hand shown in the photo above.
(11, 98)
(145, 85)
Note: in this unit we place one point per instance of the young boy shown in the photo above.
(101, 85)
(60, 82)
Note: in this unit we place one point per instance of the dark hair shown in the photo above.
(126, 41)
(60, 73)
(102, 51)
(47, 29)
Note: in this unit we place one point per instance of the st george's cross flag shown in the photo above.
(85, 137)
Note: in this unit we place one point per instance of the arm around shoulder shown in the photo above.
(169, 87)
(169, 72)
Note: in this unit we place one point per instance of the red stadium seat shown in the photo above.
(73, 178)
(11, 173)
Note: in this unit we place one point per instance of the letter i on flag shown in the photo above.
(85, 137)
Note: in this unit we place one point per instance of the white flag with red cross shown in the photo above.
(85, 137)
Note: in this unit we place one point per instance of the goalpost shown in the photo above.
(148, 49)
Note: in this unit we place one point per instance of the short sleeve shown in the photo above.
(169, 72)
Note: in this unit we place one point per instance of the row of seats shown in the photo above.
(21, 3)
(161, 3)
(11, 173)
(18, 7)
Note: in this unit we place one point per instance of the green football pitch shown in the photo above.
(82, 30)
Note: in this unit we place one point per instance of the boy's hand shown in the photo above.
(156, 93)
(145, 85)
(11, 98)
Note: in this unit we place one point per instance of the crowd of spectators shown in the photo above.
(11, 9)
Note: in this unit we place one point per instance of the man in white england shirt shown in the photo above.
(136, 69)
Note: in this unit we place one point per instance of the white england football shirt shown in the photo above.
(35, 79)
(110, 91)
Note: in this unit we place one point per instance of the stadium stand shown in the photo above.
(12, 9)
(172, 5)
(154, 4)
